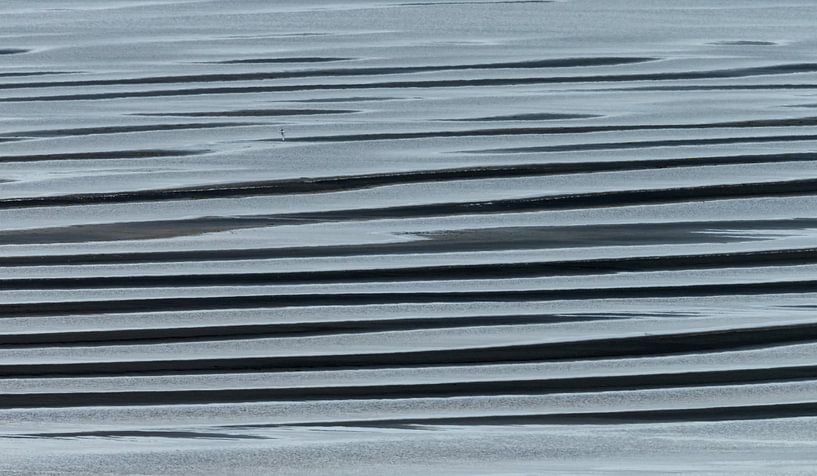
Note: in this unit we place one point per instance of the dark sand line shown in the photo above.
(405, 391)
(103, 155)
(473, 240)
(359, 182)
(493, 2)
(743, 43)
(275, 89)
(33, 73)
(554, 202)
(271, 301)
(715, 74)
(452, 83)
(623, 198)
(84, 131)
(138, 434)
(620, 198)
(253, 113)
(148, 230)
(646, 144)
(284, 330)
(518, 131)
(606, 348)
(293, 59)
(13, 51)
(542, 116)
(301, 34)
(716, 87)
(493, 271)
(348, 99)
(631, 417)
(340, 72)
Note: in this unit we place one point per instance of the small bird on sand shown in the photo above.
(283, 136)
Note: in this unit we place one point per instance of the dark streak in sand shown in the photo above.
(812, 105)
(31, 73)
(490, 2)
(647, 144)
(102, 155)
(718, 87)
(464, 240)
(252, 113)
(358, 182)
(408, 391)
(490, 239)
(743, 43)
(274, 301)
(336, 72)
(680, 415)
(148, 230)
(588, 349)
(84, 131)
(528, 117)
(139, 434)
(294, 59)
(514, 131)
(349, 99)
(284, 330)
(439, 273)
(622, 198)
(784, 69)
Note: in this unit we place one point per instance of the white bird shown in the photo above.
(283, 137)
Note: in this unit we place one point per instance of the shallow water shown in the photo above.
(572, 236)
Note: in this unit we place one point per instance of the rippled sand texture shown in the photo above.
(501, 236)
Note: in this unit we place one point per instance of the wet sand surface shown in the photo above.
(362, 237)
